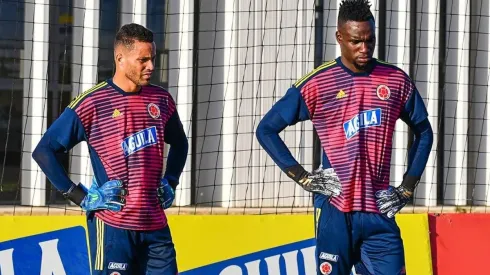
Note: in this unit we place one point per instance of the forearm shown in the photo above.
(177, 156)
(289, 110)
(268, 136)
(45, 157)
(418, 154)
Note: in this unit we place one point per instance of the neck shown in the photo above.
(124, 83)
(353, 68)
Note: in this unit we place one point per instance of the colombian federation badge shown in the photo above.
(326, 268)
(153, 110)
(383, 92)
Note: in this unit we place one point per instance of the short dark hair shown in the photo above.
(129, 33)
(354, 10)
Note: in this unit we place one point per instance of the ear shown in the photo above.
(338, 36)
(119, 58)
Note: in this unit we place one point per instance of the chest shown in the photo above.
(360, 97)
(349, 106)
(130, 121)
(360, 93)
(131, 113)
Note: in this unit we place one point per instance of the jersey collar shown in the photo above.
(121, 91)
(366, 73)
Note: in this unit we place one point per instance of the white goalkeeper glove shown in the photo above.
(392, 200)
(321, 181)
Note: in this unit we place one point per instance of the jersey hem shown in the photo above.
(354, 209)
(136, 228)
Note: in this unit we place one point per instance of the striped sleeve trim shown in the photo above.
(306, 77)
(83, 95)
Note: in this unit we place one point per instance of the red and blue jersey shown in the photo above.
(125, 133)
(354, 115)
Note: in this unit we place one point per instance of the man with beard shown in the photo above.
(125, 122)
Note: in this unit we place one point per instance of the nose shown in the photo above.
(364, 47)
(151, 65)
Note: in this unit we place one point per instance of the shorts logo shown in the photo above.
(363, 120)
(139, 140)
(326, 268)
(115, 273)
(328, 257)
(117, 266)
(383, 92)
(153, 110)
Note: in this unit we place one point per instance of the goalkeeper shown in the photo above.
(125, 122)
(354, 102)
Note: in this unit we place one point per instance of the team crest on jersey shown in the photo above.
(363, 120)
(326, 268)
(383, 92)
(139, 140)
(153, 110)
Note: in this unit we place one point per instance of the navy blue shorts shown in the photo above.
(370, 242)
(116, 251)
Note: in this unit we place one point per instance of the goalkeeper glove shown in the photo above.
(392, 200)
(321, 181)
(108, 196)
(166, 192)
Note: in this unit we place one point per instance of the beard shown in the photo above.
(364, 66)
(360, 67)
(137, 78)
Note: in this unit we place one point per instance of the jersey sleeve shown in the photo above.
(68, 129)
(175, 136)
(309, 96)
(289, 110)
(419, 152)
(62, 135)
(292, 107)
(415, 114)
(414, 110)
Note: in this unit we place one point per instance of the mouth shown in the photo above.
(363, 59)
